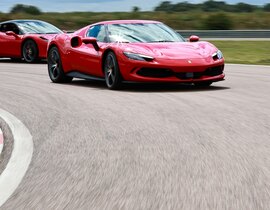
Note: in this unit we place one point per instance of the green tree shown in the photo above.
(183, 6)
(243, 7)
(165, 6)
(266, 7)
(136, 9)
(21, 8)
(212, 6)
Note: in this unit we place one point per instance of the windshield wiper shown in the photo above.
(163, 41)
(33, 33)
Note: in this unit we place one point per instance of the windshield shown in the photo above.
(38, 27)
(142, 32)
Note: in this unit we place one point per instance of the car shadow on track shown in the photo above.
(150, 87)
(7, 60)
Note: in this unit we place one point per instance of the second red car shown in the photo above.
(27, 39)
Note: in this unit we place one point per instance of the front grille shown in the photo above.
(163, 73)
(189, 75)
(155, 72)
(214, 71)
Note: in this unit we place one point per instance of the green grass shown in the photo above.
(245, 52)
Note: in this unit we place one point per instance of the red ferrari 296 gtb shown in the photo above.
(27, 39)
(133, 50)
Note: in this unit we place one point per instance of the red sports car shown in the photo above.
(27, 39)
(133, 50)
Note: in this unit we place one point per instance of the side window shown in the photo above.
(10, 27)
(97, 31)
(3, 28)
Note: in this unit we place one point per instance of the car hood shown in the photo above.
(176, 50)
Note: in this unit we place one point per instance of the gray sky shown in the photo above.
(100, 5)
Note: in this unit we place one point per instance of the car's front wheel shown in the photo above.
(112, 73)
(30, 51)
(55, 68)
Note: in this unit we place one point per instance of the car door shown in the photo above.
(88, 60)
(10, 44)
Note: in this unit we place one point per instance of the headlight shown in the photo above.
(217, 55)
(138, 57)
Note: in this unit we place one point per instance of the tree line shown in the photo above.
(167, 6)
(29, 9)
(216, 15)
(210, 6)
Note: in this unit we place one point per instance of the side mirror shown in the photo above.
(11, 33)
(77, 42)
(194, 38)
(91, 40)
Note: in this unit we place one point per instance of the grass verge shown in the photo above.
(245, 52)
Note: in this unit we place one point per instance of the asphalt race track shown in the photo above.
(144, 147)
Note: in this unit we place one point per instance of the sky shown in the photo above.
(102, 5)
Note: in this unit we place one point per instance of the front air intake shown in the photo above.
(155, 72)
(214, 71)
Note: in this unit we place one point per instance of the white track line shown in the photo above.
(247, 65)
(20, 158)
(1, 141)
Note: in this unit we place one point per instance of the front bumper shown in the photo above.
(187, 71)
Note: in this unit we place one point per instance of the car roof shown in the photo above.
(21, 21)
(127, 21)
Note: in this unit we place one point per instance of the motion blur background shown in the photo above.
(70, 15)
(196, 15)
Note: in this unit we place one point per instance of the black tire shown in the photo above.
(55, 69)
(112, 73)
(203, 84)
(30, 51)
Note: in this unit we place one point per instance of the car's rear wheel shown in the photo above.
(55, 68)
(30, 51)
(203, 84)
(112, 73)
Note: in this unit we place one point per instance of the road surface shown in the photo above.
(144, 147)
